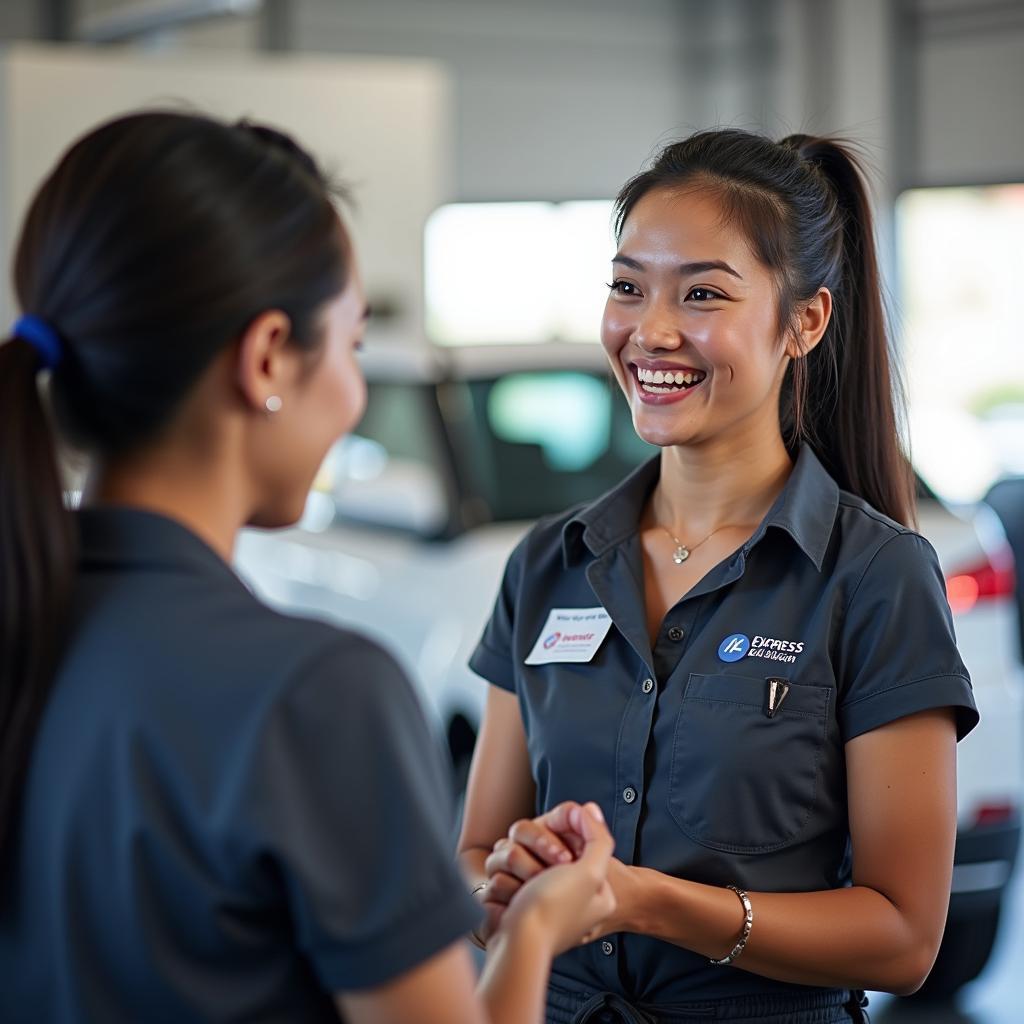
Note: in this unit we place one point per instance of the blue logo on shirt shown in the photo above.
(734, 647)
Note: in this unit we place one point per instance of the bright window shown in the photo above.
(517, 273)
(961, 273)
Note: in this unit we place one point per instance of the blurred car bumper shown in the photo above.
(982, 865)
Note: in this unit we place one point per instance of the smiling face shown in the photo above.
(691, 326)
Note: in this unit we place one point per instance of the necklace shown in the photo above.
(682, 551)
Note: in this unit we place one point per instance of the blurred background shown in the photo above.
(483, 140)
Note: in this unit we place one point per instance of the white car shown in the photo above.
(407, 534)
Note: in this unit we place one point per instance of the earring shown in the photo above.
(274, 404)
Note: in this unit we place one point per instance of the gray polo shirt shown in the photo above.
(229, 813)
(697, 775)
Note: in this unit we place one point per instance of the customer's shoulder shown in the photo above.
(295, 644)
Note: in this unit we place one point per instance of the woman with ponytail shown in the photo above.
(210, 811)
(743, 653)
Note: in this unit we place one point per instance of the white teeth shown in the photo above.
(669, 379)
(672, 379)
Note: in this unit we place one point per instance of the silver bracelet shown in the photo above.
(748, 924)
(473, 937)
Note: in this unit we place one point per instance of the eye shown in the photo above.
(625, 288)
(700, 294)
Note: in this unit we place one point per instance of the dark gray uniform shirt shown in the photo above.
(675, 743)
(229, 813)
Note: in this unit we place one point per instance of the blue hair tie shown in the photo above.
(42, 337)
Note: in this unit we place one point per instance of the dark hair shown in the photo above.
(150, 247)
(803, 205)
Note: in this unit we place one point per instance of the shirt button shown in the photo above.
(676, 634)
(648, 685)
(607, 948)
(629, 794)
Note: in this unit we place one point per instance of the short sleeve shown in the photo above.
(347, 805)
(899, 653)
(493, 658)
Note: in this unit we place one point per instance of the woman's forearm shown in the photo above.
(848, 938)
(514, 981)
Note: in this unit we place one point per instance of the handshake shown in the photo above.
(551, 875)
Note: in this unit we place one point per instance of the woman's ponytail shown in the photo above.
(37, 567)
(852, 400)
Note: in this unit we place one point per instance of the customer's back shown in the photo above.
(198, 752)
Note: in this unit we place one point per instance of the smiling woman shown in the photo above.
(769, 722)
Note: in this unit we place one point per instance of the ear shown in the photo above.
(811, 321)
(265, 361)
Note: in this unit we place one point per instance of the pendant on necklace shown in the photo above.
(680, 555)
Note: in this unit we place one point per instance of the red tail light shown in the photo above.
(994, 814)
(991, 579)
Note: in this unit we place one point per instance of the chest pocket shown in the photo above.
(740, 781)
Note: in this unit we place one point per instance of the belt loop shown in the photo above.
(857, 1007)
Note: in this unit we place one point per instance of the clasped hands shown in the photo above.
(546, 845)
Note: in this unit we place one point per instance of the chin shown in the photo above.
(661, 435)
(278, 517)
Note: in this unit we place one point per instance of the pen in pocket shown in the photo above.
(775, 695)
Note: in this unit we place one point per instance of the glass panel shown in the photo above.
(517, 273)
(481, 280)
(546, 440)
(961, 265)
(388, 472)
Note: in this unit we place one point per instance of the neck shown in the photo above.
(724, 482)
(202, 495)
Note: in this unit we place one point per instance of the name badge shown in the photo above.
(570, 634)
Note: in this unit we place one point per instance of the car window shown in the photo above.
(545, 440)
(389, 471)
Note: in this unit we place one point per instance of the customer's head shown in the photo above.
(202, 291)
(748, 266)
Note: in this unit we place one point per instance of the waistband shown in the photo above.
(826, 1006)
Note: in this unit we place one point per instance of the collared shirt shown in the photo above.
(828, 598)
(229, 813)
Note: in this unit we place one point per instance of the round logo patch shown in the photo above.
(734, 647)
(551, 641)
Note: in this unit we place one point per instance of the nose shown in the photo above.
(655, 332)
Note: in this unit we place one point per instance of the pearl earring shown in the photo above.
(274, 403)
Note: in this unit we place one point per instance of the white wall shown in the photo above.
(381, 125)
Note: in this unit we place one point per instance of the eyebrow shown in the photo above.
(697, 267)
